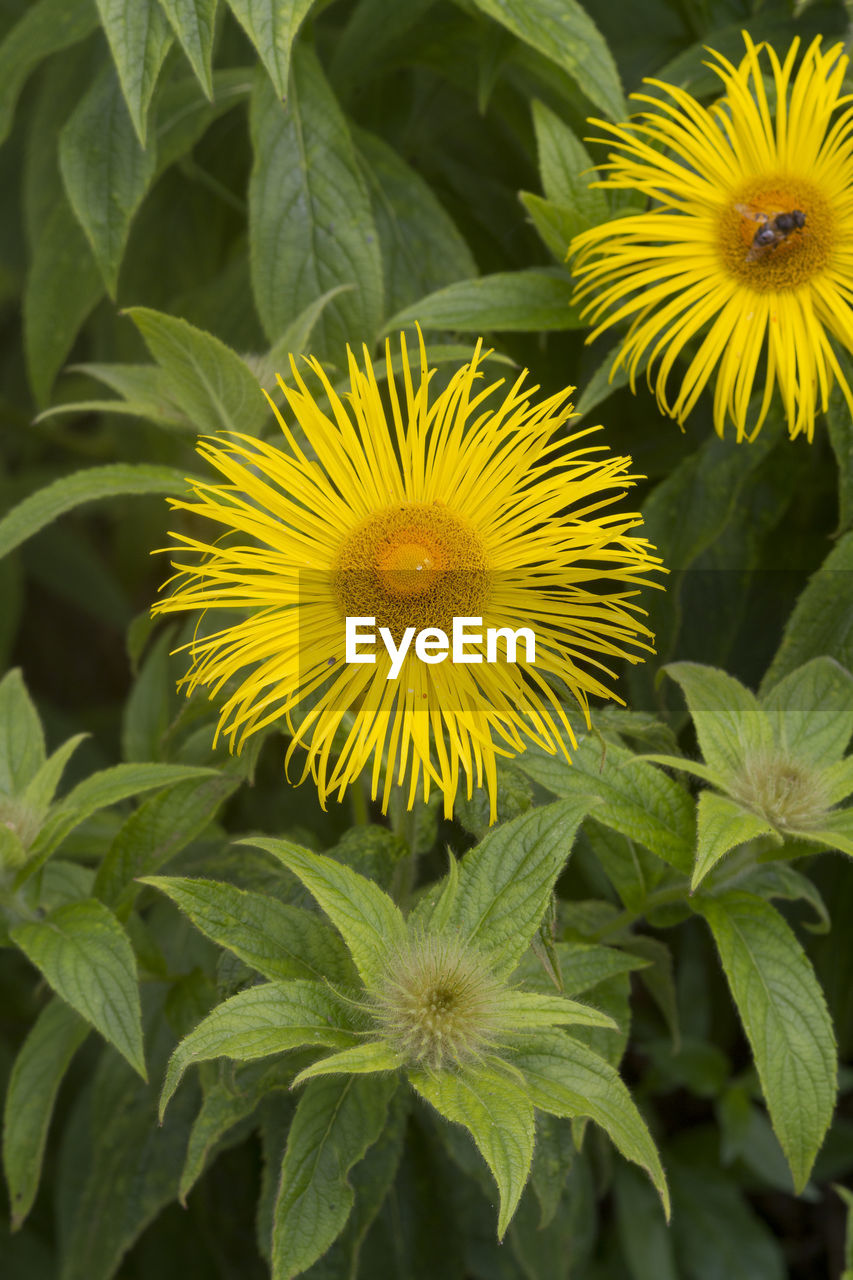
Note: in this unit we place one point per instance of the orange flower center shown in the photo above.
(776, 233)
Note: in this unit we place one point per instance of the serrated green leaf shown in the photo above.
(295, 339)
(260, 1021)
(41, 788)
(105, 170)
(564, 32)
(272, 26)
(86, 956)
(781, 880)
(310, 224)
(368, 920)
(22, 751)
(139, 37)
(362, 1059)
(797, 707)
(658, 977)
(637, 800)
(337, 1120)
(422, 250)
(114, 480)
(497, 1112)
(279, 940)
(556, 224)
(785, 1018)
(536, 299)
(553, 1156)
(99, 790)
(835, 832)
(583, 965)
(566, 168)
(34, 1083)
(205, 378)
(566, 1078)
(156, 831)
(44, 28)
(721, 825)
(822, 619)
(194, 23)
(63, 285)
(520, 1010)
(505, 882)
(728, 719)
(714, 777)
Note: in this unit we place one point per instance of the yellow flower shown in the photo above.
(748, 242)
(464, 506)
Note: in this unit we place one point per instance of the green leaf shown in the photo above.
(368, 920)
(840, 428)
(295, 339)
(99, 790)
(63, 285)
(139, 39)
(730, 724)
(522, 1009)
(565, 1078)
(279, 940)
(34, 1083)
(566, 169)
(822, 619)
(43, 28)
(566, 34)
(114, 480)
(745, 1249)
(272, 25)
(156, 831)
(204, 377)
(643, 1235)
(497, 1112)
(262, 1020)
(310, 224)
(785, 1018)
(721, 825)
(603, 382)
(835, 832)
(522, 301)
(556, 224)
(797, 707)
(781, 880)
(86, 956)
(362, 1059)
(505, 882)
(194, 23)
(336, 1121)
(422, 249)
(637, 800)
(22, 751)
(41, 787)
(105, 171)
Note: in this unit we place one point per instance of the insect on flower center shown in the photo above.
(414, 564)
(776, 233)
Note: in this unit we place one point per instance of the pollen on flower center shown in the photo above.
(761, 243)
(413, 564)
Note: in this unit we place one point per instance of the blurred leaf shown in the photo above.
(261, 1021)
(337, 1119)
(46, 27)
(205, 378)
(310, 224)
(643, 1235)
(522, 301)
(294, 341)
(557, 224)
(785, 1018)
(22, 749)
(40, 789)
(194, 23)
(497, 1112)
(822, 620)
(567, 170)
(564, 32)
(781, 880)
(63, 285)
(113, 480)
(277, 939)
(272, 25)
(422, 249)
(105, 170)
(42, 1061)
(86, 956)
(139, 37)
(601, 385)
(505, 882)
(715, 1232)
(797, 708)
(553, 1154)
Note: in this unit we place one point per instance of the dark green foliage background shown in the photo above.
(417, 132)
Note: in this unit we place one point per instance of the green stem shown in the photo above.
(358, 797)
(661, 898)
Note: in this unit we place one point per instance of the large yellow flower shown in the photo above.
(471, 505)
(748, 241)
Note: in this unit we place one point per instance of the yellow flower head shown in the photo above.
(469, 505)
(747, 247)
